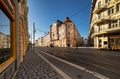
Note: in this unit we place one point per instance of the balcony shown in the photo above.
(99, 9)
(110, 4)
(103, 19)
(98, 33)
(113, 30)
(107, 31)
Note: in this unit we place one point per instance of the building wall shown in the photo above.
(43, 41)
(105, 21)
(62, 34)
(73, 37)
(23, 28)
(46, 40)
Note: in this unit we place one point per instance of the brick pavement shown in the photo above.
(34, 67)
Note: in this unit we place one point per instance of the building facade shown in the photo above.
(13, 35)
(105, 23)
(43, 41)
(63, 34)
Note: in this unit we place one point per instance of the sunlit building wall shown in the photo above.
(62, 34)
(23, 27)
(105, 23)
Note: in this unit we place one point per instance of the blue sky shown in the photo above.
(4, 24)
(46, 12)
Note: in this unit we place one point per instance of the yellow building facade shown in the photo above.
(105, 23)
(13, 35)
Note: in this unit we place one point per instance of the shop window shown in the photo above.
(112, 41)
(117, 42)
(4, 37)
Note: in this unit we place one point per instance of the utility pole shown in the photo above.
(33, 33)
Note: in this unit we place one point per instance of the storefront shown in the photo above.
(7, 38)
(114, 41)
(13, 35)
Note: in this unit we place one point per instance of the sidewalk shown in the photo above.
(34, 67)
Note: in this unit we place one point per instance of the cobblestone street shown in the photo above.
(34, 67)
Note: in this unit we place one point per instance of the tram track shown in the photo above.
(106, 64)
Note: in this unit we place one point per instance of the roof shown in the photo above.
(67, 20)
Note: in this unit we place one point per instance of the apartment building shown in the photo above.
(43, 41)
(105, 23)
(13, 35)
(62, 34)
(23, 28)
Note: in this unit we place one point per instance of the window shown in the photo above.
(117, 41)
(105, 42)
(109, 25)
(106, 1)
(95, 29)
(110, 10)
(4, 37)
(68, 26)
(119, 22)
(99, 4)
(68, 33)
(99, 16)
(118, 7)
(114, 24)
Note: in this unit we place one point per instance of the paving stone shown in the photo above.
(34, 67)
(39, 73)
(51, 74)
(56, 77)
(44, 77)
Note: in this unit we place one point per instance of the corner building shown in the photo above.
(62, 34)
(105, 23)
(13, 35)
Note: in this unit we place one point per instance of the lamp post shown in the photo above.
(34, 34)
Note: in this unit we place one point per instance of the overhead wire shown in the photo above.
(81, 10)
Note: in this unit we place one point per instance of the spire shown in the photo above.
(67, 20)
